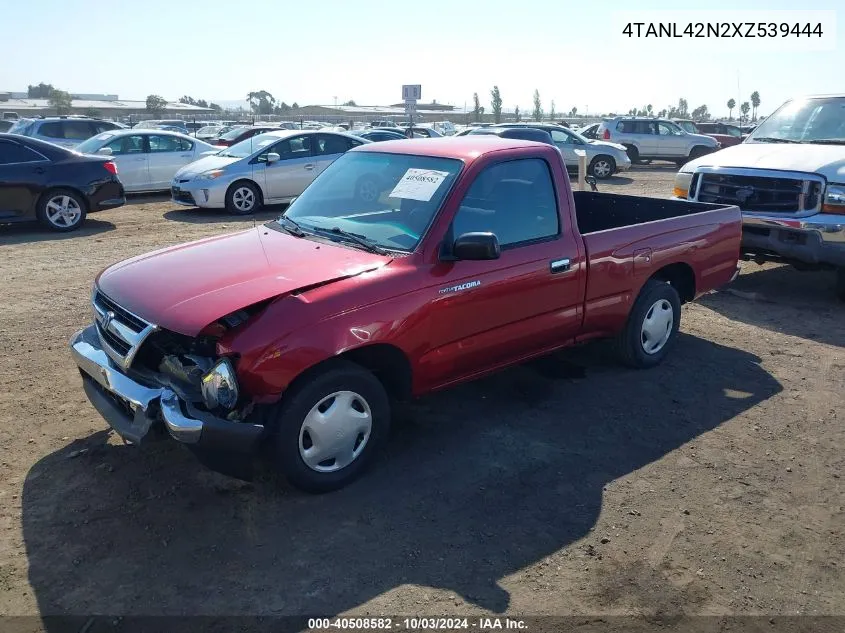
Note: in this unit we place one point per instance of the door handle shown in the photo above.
(187, 155)
(140, 160)
(310, 166)
(560, 265)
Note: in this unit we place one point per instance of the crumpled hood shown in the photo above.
(827, 160)
(207, 163)
(184, 288)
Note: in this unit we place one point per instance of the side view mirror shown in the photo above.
(105, 151)
(273, 157)
(591, 180)
(476, 246)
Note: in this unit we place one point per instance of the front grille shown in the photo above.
(182, 196)
(120, 331)
(776, 192)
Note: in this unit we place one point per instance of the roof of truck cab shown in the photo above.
(465, 148)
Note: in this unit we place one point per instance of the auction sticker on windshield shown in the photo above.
(419, 184)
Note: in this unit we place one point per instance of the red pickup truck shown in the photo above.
(407, 266)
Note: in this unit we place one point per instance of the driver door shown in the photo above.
(567, 145)
(287, 177)
(671, 140)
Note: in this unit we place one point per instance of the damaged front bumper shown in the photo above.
(132, 408)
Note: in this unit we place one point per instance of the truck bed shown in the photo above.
(602, 211)
(629, 239)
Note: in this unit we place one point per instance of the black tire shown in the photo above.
(237, 196)
(629, 342)
(606, 165)
(633, 153)
(697, 152)
(55, 221)
(840, 283)
(304, 396)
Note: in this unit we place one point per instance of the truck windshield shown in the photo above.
(387, 199)
(804, 121)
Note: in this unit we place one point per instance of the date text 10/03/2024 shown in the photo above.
(417, 624)
(721, 29)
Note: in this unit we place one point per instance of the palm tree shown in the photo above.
(744, 108)
(649, 108)
(755, 102)
(731, 106)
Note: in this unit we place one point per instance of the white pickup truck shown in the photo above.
(788, 178)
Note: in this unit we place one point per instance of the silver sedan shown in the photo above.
(268, 168)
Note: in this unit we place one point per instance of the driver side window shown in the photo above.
(561, 137)
(664, 129)
(297, 147)
(514, 200)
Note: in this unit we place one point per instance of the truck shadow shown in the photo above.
(477, 483)
(785, 300)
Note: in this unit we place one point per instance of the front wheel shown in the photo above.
(602, 167)
(330, 427)
(243, 198)
(652, 326)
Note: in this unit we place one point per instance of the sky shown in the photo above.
(364, 50)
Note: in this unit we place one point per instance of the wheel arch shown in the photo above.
(43, 195)
(681, 277)
(248, 181)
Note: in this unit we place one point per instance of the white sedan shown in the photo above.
(146, 159)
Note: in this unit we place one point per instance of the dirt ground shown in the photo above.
(572, 486)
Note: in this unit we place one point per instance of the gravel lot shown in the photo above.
(710, 485)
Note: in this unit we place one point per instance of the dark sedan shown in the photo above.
(380, 135)
(238, 134)
(51, 184)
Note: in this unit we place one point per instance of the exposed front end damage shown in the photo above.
(140, 377)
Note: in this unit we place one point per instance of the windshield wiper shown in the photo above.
(774, 139)
(291, 226)
(827, 141)
(358, 239)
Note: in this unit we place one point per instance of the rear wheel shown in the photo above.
(61, 210)
(602, 167)
(633, 153)
(652, 326)
(329, 428)
(243, 198)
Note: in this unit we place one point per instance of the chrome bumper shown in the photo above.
(115, 395)
(816, 239)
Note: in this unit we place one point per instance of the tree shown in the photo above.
(294, 106)
(700, 113)
(61, 101)
(41, 91)
(744, 108)
(516, 113)
(662, 113)
(731, 105)
(476, 107)
(648, 109)
(156, 104)
(683, 110)
(215, 107)
(573, 111)
(350, 103)
(496, 104)
(94, 113)
(538, 106)
(755, 103)
(202, 103)
(261, 102)
(552, 111)
(187, 100)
